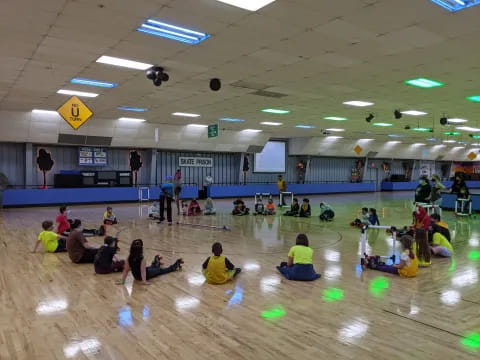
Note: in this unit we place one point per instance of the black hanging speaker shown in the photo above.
(215, 84)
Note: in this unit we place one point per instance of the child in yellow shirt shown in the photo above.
(217, 269)
(51, 241)
(299, 266)
(408, 266)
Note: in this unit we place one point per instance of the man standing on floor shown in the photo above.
(282, 187)
(166, 194)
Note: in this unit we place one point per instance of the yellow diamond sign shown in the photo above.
(75, 112)
(358, 149)
(471, 155)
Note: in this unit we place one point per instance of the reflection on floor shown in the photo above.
(52, 309)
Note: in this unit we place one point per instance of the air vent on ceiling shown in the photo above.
(249, 85)
(372, 154)
(270, 94)
(254, 149)
(84, 140)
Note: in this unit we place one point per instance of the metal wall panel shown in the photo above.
(12, 163)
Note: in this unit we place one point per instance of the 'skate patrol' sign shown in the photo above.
(195, 162)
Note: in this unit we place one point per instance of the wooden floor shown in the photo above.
(53, 309)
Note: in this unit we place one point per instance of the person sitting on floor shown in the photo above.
(294, 208)
(440, 245)
(154, 211)
(363, 220)
(270, 207)
(326, 212)
(194, 208)
(259, 207)
(217, 269)
(184, 208)
(52, 242)
(441, 226)
(299, 265)
(373, 217)
(239, 208)
(106, 260)
(109, 217)
(209, 207)
(305, 209)
(79, 250)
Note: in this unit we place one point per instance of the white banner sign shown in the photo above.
(195, 162)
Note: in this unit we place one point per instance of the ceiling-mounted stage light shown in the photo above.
(397, 114)
(215, 84)
(157, 75)
(369, 118)
(444, 120)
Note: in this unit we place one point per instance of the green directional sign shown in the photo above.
(212, 131)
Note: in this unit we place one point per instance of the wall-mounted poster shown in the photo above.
(88, 156)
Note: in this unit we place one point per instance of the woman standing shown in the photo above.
(436, 193)
(177, 188)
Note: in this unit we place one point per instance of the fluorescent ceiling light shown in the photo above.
(456, 5)
(40, 111)
(395, 135)
(413, 113)
(422, 129)
(231, 119)
(457, 121)
(275, 111)
(334, 137)
(271, 123)
(251, 5)
(90, 82)
(127, 119)
(335, 118)
(252, 130)
(358, 103)
(185, 114)
(393, 142)
(305, 126)
(366, 139)
(458, 147)
(467, 128)
(335, 130)
(382, 124)
(76, 93)
(423, 83)
(129, 108)
(197, 125)
(418, 144)
(449, 141)
(173, 32)
(451, 133)
(432, 139)
(110, 60)
(475, 98)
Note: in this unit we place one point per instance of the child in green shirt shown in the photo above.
(51, 241)
(299, 266)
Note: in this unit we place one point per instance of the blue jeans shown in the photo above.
(299, 272)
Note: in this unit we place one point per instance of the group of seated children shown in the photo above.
(367, 217)
(192, 209)
(268, 209)
(239, 208)
(299, 211)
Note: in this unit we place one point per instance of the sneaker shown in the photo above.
(283, 264)
(178, 264)
(237, 271)
(156, 261)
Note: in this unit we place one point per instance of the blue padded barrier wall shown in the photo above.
(411, 185)
(448, 201)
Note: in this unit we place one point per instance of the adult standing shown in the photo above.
(282, 187)
(166, 195)
(422, 192)
(436, 192)
(177, 188)
(79, 250)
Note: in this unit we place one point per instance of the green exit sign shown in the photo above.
(212, 131)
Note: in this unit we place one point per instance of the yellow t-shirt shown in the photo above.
(421, 262)
(282, 185)
(107, 216)
(301, 254)
(216, 271)
(49, 240)
(411, 266)
(440, 240)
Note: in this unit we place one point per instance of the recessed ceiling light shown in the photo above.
(422, 129)
(40, 111)
(423, 83)
(110, 60)
(382, 124)
(456, 5)
(186, 114)
(414, 113)
(475, 98)
(393, 142)
(305, 126)
(252, 130)
(457, 121)
(335, 130)
(418, 144)
(449, 141)
(90, 82)
(366, 139)
(197, 125)
(173, 32)
(231, 119)
(76, 93)
(251, 5)
(395, 135)
(129, 108)
(334, 137)
(467, 128)
(335, 118)
(451, 133)
(275, 111)
(358, 103)
(127, 119)
(271, 123)
(432, 139)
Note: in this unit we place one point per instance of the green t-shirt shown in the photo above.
(440, 240)
(49, 240)
(301, 254)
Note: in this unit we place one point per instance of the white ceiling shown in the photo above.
(319, 53)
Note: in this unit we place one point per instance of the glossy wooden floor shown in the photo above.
(52, 309)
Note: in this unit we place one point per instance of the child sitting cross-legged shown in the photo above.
(294, 208)
(239, 208)
(259, 208)
(209, 207)
(194, 208)
(326, 212)
(305, 209)
(106, 261)
(299, 265)
(52, 242)
(217, 269)
(109, 217)
(363, 220)
(270, 207)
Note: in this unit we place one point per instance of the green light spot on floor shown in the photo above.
(379, 286)
(471, 341)
(274, 313)
(453, 265)
(474, 255)
(332, 294)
